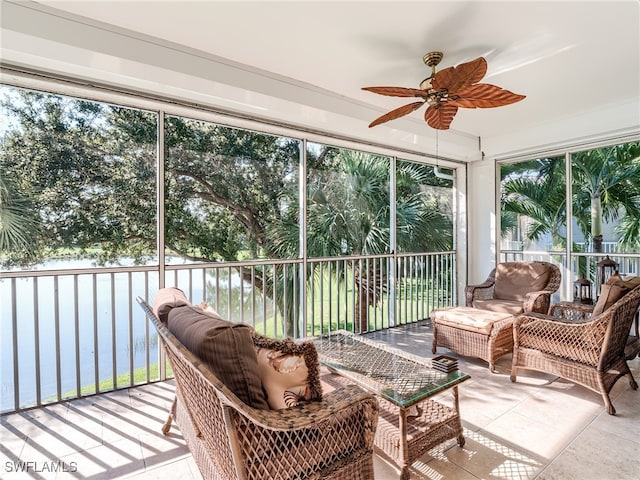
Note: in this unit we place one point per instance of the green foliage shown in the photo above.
(224, 188)
(87, 184)
(84, 179)
(19, 223)
(606, 184)
(84, 176)
(537, 190)
(605, 187)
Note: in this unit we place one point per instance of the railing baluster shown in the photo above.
(241, 275)
(339, 291)
(321, 276)
(147, 339)
(131, 341)
(36, 334)
(114, 360)
(56, 312)
(76, 322)
(14, 339)
(96, 349)
(229, 291)
(274, 301)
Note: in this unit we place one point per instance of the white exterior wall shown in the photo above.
(481, 220)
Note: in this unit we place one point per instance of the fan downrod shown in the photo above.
(431, 59)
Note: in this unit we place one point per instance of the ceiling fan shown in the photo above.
(446, 91)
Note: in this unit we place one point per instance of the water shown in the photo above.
(105, 335)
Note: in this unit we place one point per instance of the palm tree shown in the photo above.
(538, 194)
(18, 220)
(349, 214)
(606, 187)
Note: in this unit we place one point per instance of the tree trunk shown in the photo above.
(367, 282)
(362, 311)
(596, 223)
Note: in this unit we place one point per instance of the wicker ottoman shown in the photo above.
(473, 332)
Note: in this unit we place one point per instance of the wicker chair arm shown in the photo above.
(482, 290)
(310, 414)
(571, 312)
(537, 302)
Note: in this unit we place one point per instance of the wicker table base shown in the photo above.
(410, 421)
(404, 440)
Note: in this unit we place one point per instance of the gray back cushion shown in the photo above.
(227, 349)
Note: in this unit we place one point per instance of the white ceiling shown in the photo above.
(578, 62)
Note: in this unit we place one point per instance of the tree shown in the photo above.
(606, 184)
(605, 187)
(76, 184)
(230, 194)
(348, 213)
(536, 190)
(19, 223)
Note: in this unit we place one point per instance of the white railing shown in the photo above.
(581, 264)
(77, 332)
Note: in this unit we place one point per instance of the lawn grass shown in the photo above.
(122, 380)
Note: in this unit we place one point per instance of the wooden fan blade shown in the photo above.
(484, 95)
(397, 113)
(456, 78)
(440, 116)
(397, 91)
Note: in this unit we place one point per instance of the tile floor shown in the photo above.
(541, 427)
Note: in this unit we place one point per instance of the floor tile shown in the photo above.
(485, 456)
(177, 470)
(118, 459)
(539, 428)
(587, 458)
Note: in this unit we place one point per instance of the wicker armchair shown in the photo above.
(573, 344)
(516, 287)
(331, 438)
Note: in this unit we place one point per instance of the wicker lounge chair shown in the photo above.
(578, 346)
(516, 287)
(327, 439)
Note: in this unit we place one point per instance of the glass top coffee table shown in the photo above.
(410, 422)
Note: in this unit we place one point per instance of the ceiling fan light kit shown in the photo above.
(446, 91)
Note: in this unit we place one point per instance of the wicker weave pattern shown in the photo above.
(332, 438)
(588, 351)
(475, 344)
(534, 301)
(402, 380)
(436, 424)
(398, 376)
